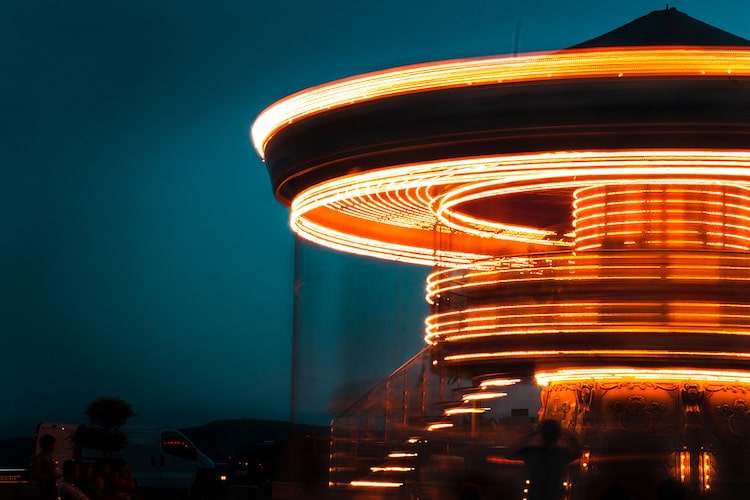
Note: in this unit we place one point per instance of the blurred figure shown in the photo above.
(100, 482)
(122, 482)
(85, 480)
(67, 488)
(42, 473)
(546, 460)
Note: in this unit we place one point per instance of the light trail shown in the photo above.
(434, 192)
(584, 64)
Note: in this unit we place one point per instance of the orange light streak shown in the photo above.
(461, 411)
(609, 374)
(499, 382)
(566, 267)
(439, 425)
(545, 353)
(484, 395)
(504, 461)
(663, 215)
(618, 62)
(391, 468)
(344, 213)
(588, 317)
(375, 484)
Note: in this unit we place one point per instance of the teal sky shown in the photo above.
(143, 253)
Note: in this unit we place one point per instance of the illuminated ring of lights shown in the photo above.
(499, 321)
(715, 216)
(622, 62)
(398, 213)
(556, 354)
(694, 295)
(553, 179)
(608, 374)
(563, 266)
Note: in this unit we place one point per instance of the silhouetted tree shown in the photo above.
(106, 416)
(109, 413)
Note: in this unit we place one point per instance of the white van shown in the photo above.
(159, 458)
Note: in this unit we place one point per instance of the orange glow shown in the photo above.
(393, 468)
(615, 62)
(620, 266)
(376, 484)
(585, 459)
(483, 395)
(504, 461)
(706, 469)
(609, 374)
(499, 382)
(399, 213)
(577, 293)
(684, 466)
(594, 353)
(461, 411)
(591, 317)
(439, 425)
(662, 216)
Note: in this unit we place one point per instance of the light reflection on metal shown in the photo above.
(540, 67)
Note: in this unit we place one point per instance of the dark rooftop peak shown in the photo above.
(665, 27)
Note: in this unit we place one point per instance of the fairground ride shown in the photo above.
(587, 216)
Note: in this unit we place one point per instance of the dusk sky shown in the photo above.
(143, 253)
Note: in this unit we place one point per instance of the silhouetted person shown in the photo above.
(67, 488)
(100, 484)
(122, 482)
(85, 480)
(42, 473)
(546, 460)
